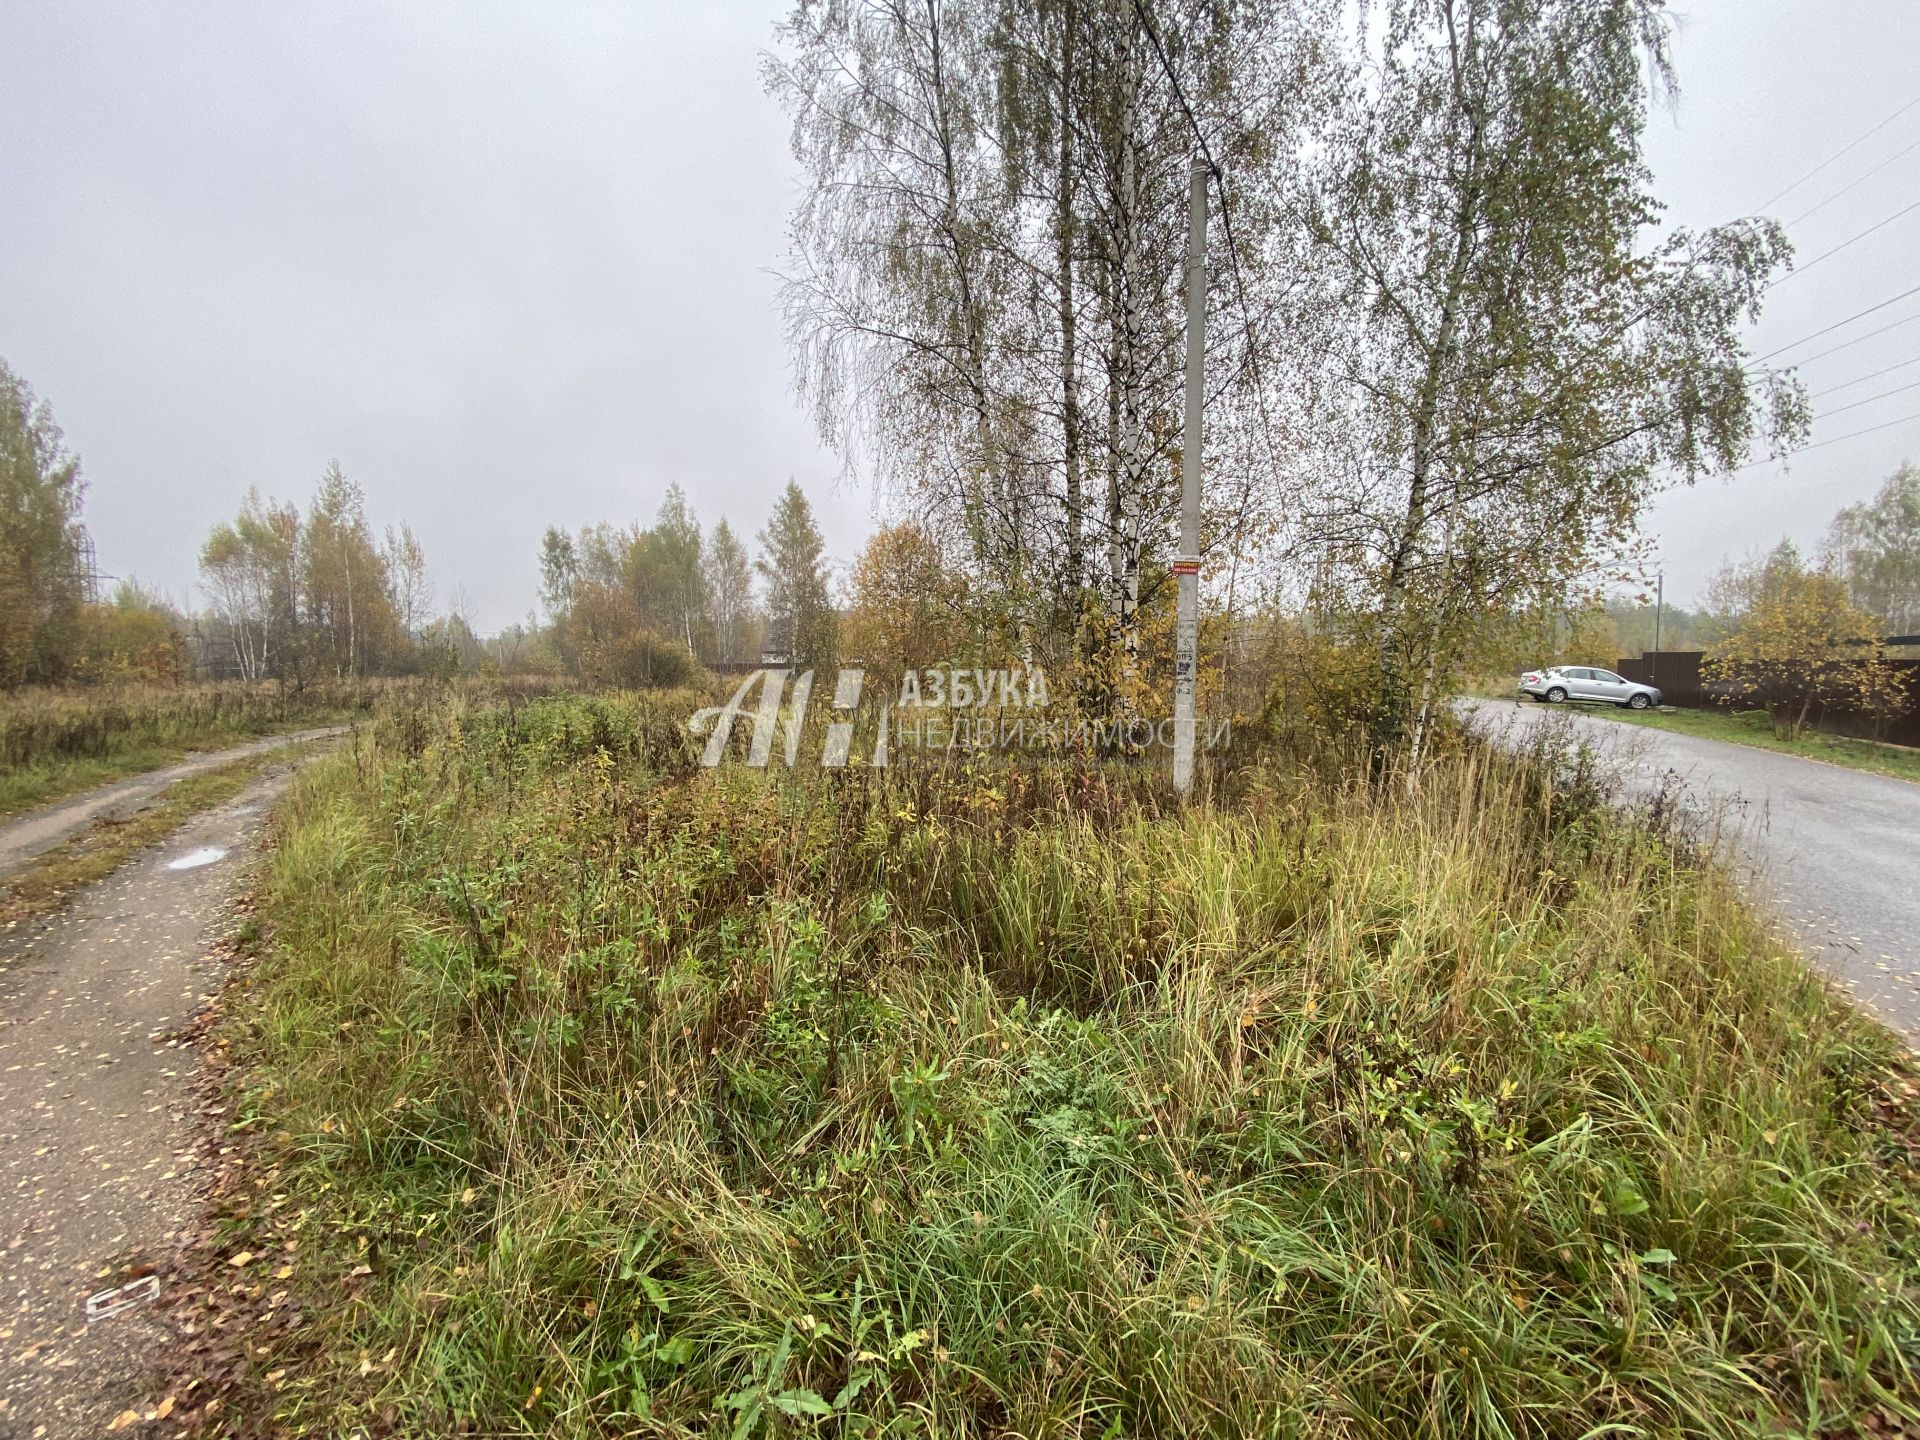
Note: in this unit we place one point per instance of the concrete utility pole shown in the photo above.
(1659, 604)
(1186, 568)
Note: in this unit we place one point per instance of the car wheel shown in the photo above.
(1638, 702)
(1556, 695)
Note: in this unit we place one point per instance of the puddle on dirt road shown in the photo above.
(194, 859)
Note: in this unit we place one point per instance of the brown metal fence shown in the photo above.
(1676, 673)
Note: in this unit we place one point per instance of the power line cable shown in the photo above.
(1849, 344)
(1857, 315)
(1862, 379)
(1850, 435)
(1199, 138)
(1843, 150)
(1853, 240)
(1854, 185)
(1856, 404)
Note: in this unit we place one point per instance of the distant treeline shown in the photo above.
(644, 606)
(297, 596)
(53, 626)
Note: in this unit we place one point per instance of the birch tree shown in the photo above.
(673, 558)
(986, 297)
(250, 569)
(1876, 547)
(409, 590)
(1506, 375)
(348, 609)
(730, 586)
(900, 271)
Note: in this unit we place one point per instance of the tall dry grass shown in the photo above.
(56, 740)
(634, 1099)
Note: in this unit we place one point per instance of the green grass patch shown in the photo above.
(599, 1095)
(1755, 727)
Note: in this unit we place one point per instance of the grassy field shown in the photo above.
(1753, 727)
(55, 743)
(593, 1094)
(58, 742)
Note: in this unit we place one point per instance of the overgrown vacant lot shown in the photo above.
(610, 1096)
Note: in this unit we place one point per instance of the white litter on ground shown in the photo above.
(194, 859)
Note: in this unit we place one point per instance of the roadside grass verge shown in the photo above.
(600, 1095)
(26, 790)
(55, 743)
(58, 742)
(107, 844)
(1755, 727)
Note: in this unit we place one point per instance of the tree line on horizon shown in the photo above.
(294, 596)
(1868, 561)
(1805, 637)
(639, 606)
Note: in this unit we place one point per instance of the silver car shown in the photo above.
(1586, 682)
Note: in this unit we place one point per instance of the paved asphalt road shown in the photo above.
(40, 830)
(1835, 852)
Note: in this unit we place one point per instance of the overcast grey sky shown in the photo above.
(506, 262)
(1768, 90)
(509, 264)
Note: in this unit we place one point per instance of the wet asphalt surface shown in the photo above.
(1834, 853)
(96, 1152)
(32, 834)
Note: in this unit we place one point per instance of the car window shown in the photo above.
(1608, 675)
(1579, 672)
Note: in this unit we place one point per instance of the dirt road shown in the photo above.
(40, 830)
(95, 1131)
